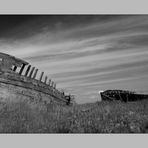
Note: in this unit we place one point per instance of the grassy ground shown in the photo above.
(102, 117)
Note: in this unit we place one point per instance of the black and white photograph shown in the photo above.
(74, 73)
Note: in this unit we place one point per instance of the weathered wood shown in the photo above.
(22, 84)
(15, 67)
(54, 85)
(49, 83)
(27, 70)
(16, 82)
(41, 76)
(22, 68)
(17, 60)
(45, 79)
(35, 73)
(31, 72)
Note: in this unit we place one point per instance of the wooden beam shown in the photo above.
(49, 83)
(15, 67)
(54, 85)
(35, 73)
(27, 70)
(41, 76)
(22, 68)
(45, 79)
(31, 72)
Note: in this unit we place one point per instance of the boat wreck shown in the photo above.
(16, 83)
(121, 95)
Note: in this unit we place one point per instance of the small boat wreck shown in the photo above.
(121, 95)
(18, 81)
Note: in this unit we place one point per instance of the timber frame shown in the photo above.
(9, 65)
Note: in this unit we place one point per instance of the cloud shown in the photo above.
(82, 57)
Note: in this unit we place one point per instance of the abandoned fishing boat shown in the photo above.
(18, 81)
(122, 95)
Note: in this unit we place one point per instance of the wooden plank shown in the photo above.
(22, 68)
(41, 76)
(29, 85)
(15, 67)
(54, 85)
(31, 72)
(34, 76)
(27, 70)
(45, 79)
(49, 82)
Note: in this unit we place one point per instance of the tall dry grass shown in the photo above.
(101, 117)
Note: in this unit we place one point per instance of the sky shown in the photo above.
(83, 54)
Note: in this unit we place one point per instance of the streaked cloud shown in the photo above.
(83, 58)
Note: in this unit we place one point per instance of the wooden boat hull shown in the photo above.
(15, 87)
(125, 96)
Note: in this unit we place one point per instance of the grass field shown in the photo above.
(99, 117)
